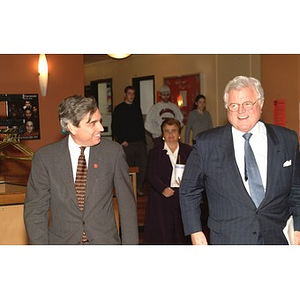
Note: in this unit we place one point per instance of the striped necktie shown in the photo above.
(252, 173)
(80, 184)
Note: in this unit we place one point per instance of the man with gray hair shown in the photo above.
(69, 197)
(250, 171)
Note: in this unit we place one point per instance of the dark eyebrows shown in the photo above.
(94, 121)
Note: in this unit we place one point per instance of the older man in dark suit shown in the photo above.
(86, 218)
(219, 166)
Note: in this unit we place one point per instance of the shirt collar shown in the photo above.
(166, 147)
(258, 130)
(75, 148)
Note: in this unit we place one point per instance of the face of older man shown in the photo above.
(88, 133)
(244, 119)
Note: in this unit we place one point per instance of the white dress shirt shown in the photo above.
(74, 150)
(173, 159)
(259, 145)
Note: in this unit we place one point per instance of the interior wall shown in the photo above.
(216, 71)
(229, 66)
(19, 74)
(280, 80)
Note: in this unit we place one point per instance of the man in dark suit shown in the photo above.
(217, 165)
(51, 185)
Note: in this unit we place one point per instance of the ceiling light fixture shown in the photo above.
(119, 56)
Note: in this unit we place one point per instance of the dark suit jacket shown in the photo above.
(233, 217)
(159, 166)
(51, 185)
(162, 218)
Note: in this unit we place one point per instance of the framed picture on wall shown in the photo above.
(23, 113)
(184, 90)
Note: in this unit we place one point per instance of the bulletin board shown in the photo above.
(184, 90)
(279, 112)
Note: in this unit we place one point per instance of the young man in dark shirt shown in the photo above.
(128, 130)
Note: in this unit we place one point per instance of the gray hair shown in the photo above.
(240, 82)
(73, 109)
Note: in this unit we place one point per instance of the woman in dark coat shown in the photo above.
(163, 223)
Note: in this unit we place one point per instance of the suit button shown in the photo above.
(83, 222)
(254, 232)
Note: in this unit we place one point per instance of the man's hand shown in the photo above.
(198, 238)
(296, 238)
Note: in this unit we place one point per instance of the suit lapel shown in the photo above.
(63, 162)
(95, 162)
(274, 152)
(236, 185)
(182, 154)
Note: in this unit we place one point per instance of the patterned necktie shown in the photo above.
(80, 183)
(252, 173)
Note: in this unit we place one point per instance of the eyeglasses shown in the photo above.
(234, 107)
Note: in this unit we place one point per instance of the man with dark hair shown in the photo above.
(128, 130)
(75, 179)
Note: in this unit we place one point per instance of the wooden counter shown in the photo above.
(12, 193)
(12, 227)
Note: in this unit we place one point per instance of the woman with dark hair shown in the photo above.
(163, 223)
(198, 120)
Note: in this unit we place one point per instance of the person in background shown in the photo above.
(76, 219)
(30, 130)
(27, 105)
(27, 114)
(128, 130)
(161, 111)
(35, 117)
(163, 223)
(13, 112)
(198, 119)
(217, 165)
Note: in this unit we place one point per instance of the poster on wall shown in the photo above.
(279, 112)
(184, 90)
(23, 113)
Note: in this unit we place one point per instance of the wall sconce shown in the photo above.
(43, 74)
(119, 56)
